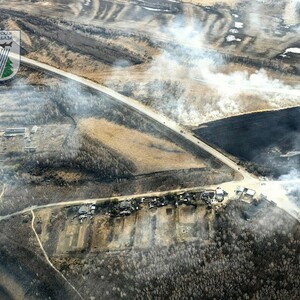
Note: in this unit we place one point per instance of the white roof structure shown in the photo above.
(250, 192)
(34, 129)
(240, 189)
(219, 191)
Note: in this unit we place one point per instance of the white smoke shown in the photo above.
(292, 186)
(210, 91)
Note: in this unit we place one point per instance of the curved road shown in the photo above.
(274, 191)
(47, 257)
(141, 109)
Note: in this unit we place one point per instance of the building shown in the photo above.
(83, 210)
(34, 129)
(250, 193)
(220, 194)
(125, 213)
(125, 205)
(240, 190)
(30, 149)
(10, 132)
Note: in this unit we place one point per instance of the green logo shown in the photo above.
(9, 54)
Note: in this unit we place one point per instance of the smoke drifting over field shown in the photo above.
(230, 87)
(207, 90)
(292, 186)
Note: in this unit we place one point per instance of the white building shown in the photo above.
(219, 194)
(240, 189)
(250, 193)
(34, 129)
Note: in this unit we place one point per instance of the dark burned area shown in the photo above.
(24, 272)
(258, 140)
(248, 252)
(250, 256)
(64, 103)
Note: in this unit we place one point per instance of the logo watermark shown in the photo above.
(9, 54)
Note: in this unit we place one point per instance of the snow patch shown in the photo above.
(238, 24)
(155, 9)
(232, 38)
(233, 30)
(292, 50)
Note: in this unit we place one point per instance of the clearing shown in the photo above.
(148, 153)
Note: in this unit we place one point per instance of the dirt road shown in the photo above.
(274, 190)
(96, 200)
(47, 258)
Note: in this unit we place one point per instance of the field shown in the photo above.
(24, 273)
(70, 163)
(270, 140)
(143, 230)
(171, 251)
(173, 56)
(208, 65)
(148, 153)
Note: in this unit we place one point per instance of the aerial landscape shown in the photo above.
(149, 149)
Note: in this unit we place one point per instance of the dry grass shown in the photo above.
(148, 153)
(69, 176)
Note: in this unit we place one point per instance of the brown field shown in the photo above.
(256, 48)
(73, 237)
(148, 153)
(145, 229)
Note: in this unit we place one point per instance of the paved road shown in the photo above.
(248, 180)
(171, 125)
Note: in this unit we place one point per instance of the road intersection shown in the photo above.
(272, 190)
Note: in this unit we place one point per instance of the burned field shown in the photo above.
(168, 251)
(193, 61)
(59, 136)
(133, 48)
(114, 225)
(24, 272)
(172, 246)
(266, 142)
